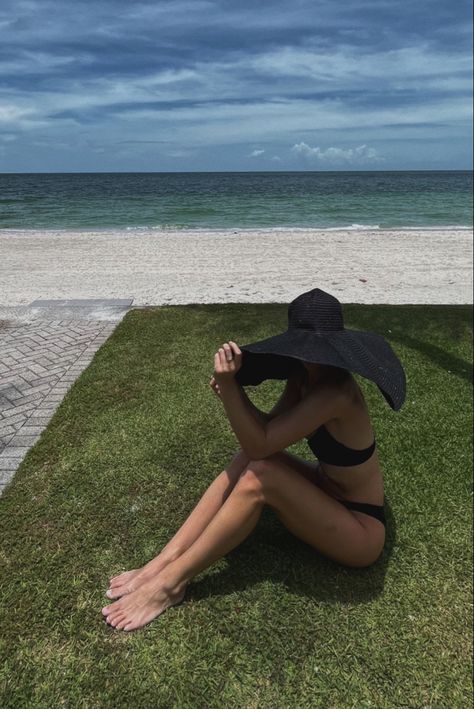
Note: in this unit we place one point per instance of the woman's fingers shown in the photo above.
(228, 359)
(228, 352)
(220, 362)
(214, 386)
(221, 359)
(237, 354)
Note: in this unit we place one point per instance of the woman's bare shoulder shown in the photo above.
(342, 386)
(349, 390)
(353, 406)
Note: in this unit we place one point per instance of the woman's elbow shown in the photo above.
(259, 453)
(254, 453)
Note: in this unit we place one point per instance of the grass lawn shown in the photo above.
(128, 453)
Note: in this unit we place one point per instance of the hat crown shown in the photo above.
(315, 310)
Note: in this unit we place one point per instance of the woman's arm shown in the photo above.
(248, 425)
(264, 417)
(259, 439)
(288, 398)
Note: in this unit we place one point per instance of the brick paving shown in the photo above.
(39, 361)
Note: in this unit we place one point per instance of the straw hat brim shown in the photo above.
(364, 353)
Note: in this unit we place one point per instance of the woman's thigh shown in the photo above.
(314, 515)
(310, 470)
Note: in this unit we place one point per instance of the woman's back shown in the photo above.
(353, 429)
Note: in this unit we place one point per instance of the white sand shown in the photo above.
(261, 265)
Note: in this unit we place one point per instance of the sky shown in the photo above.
(210, 85)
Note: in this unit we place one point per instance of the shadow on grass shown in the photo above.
(273, 553)
(447, 361)
(417, 327)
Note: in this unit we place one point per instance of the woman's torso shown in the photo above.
(352, 428)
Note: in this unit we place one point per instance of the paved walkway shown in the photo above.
(43, 349)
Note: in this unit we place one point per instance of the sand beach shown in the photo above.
(156, 267)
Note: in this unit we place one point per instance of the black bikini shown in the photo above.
(328, 450)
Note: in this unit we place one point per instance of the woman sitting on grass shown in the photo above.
(336, 505)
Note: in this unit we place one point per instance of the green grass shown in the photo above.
(135, 443)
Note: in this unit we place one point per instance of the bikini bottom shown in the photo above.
(376, 511)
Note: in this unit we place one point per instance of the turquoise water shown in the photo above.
(226, 200)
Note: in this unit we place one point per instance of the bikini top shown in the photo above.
(328, 450)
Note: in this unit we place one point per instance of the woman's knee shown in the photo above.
(236, 466)
(253, 480)
(250, 472)
(253, 474)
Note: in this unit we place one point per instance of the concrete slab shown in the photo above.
(97, 309)
(44, 347)
(83, 303)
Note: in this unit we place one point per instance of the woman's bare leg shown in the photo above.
(234, 521)
(206, 509)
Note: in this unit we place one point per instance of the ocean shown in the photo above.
(241, 200)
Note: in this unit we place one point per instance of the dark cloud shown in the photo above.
(248, 70)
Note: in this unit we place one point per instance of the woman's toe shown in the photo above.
(121, 623)
(111, 608)
(112, 617)
(116, 619)
(118, 579)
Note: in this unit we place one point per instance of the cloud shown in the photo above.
(9, 113)
(179, 153)
(8, 137)
(352, 156)
(359, 66)
(203, 75)
(140, 142)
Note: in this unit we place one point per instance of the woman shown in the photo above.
(335, 505)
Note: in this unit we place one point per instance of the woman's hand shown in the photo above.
(215, 387)
(227, 361)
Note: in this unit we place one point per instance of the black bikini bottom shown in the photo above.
(376, 511)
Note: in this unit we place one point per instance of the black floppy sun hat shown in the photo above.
(316, 334)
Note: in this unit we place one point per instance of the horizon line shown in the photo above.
(190, 172)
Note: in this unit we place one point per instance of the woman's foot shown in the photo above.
(125, 583)
(140, 607)
(129, 581)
